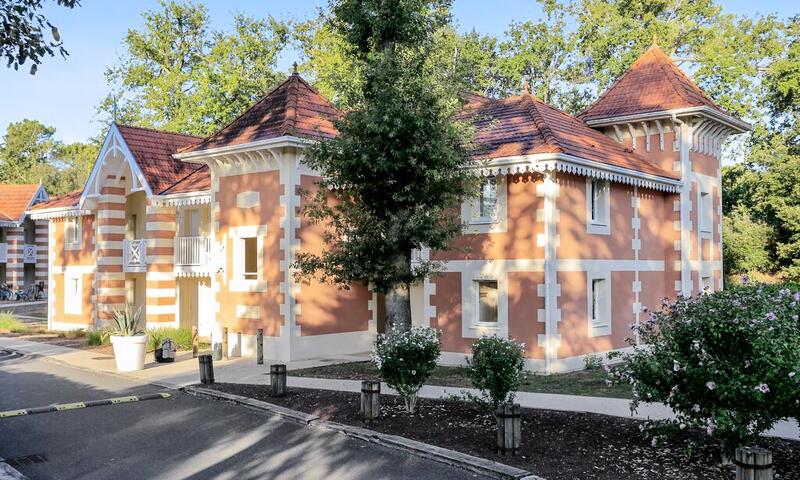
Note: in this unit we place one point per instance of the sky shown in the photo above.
(65, 93)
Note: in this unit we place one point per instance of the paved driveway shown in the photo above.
(178, 438)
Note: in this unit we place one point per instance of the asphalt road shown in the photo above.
(182, 437)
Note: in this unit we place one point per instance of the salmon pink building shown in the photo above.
(581, 223)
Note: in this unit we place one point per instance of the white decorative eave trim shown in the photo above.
(90, 189)
(192, 274)
(183, 199)
(739, 126)
(59, 212)
(543, 162)
(277, 142)
(9, 224)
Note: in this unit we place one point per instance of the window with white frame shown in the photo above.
(705, 212)
(598, 206)
(705, 284)
(487, 212)
(72, 233)
(72, 293)
(487, 301)
(487, 202)
(599, 302)
(248, 258)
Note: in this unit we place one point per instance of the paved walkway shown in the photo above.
(245, 370)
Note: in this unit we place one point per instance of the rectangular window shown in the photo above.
(72, 232)
(487, 301)
(705, 285)
(599, 307)
(30, 232)
(250, 270)
(599, 201)
(705, 212)
(488, 198)
(597, 206)
(72, 294)
(2, 235)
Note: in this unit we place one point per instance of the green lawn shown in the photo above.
(584, 382)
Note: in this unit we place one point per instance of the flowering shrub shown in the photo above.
(495, 368)
(405, 360)
(727, 362)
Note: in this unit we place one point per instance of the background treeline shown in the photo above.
(179, 74)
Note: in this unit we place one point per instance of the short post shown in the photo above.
(195, 343)
(370, 401)
(277, 379)
(753, 463)
(260, 346)
(206, 369)
(239, 343)
(225, 343)
(509, 423)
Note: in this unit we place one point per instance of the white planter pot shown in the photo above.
(129, 352)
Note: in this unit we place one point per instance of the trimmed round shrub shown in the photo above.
(495, 368)
(727, 362)
(405, 360)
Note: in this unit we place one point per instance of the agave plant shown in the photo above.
(125, 323)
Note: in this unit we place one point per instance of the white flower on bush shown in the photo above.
(763, 388)
(406, 358)
(711, 385)
(695, 408)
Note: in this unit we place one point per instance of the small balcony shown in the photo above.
(134, 255)
(29, 253)
(193, 255)
(3, 252)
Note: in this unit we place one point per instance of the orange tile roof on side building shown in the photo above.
(66, 200)
(524, 125)
(652, 84)
(15, 199)
(292, 108)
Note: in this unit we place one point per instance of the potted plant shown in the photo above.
(129, 339)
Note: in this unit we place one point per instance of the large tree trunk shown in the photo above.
(398, 298)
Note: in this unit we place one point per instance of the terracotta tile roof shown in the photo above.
(292, 108)
(153, 151)
(14, 200)
(524, 125)
(196, 181)
(653, 83)
(66, 200)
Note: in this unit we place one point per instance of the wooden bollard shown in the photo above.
(753, 463)
(509, 427)
(206, 369)
(260, 346)
(277, 379)
(225, 343)
(195, 343)
(370, 401)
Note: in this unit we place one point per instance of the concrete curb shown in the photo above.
(286, 413)
(452, 458)
(7, 472)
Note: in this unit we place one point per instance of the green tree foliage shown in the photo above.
(178, 75)
(746, 243)
(30, 153)
(27, 149)
(396, 171)
(23, 34)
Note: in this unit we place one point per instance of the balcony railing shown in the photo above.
(192, 251)
(134, 255)
(29, 253)
(3, 252)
